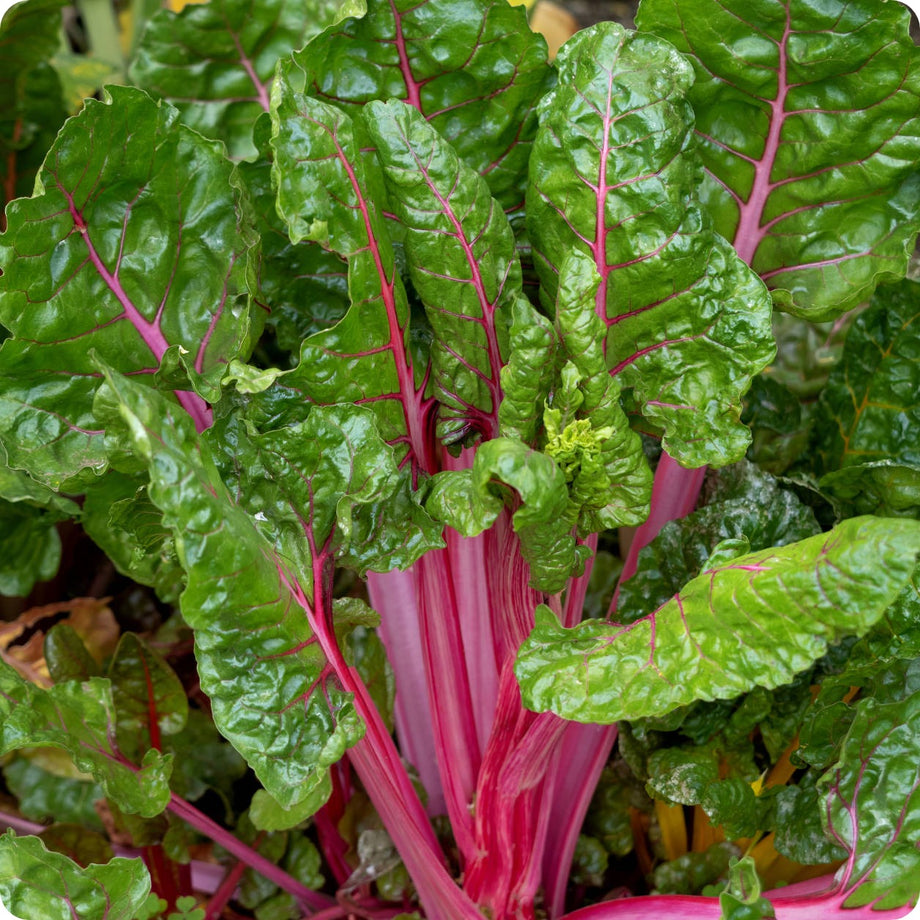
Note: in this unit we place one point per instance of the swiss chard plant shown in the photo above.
(509, 470)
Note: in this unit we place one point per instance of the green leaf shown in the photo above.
(37, 883)
(367, 357)
(800, 819)
(471, 500)
(79, 718)
(66, 655)
(215, 61)
(43, 796)
(873, 806)
(690, 873)
(82, 845)
(779, 423)
(462, 262)
(757, 621)
(807, 124)
(869, 411)
(474, 70)
(150, 701)
(257, 552)
(741, 899)
(613, 176)
(30, 548)
(31, 109)
(744, 503)
(133, 243)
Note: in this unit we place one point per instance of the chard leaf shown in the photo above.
(462, 261)
(31, 109)
(303, 287)
(80, 718)
(257, 553)
(44, 796)
(150, 701)
(613, 175)
(873, 804)
(744, 503)
(757, 621)
(474, 69)
(329, 192)
(470, 501)
(808, 125)
(869, 412)
(215, 61)
(131, 246)
(37, 883)
(30, 548)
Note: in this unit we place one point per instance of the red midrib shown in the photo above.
(749, 232)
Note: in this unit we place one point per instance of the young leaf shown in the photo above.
(474, 69)
(756, 621)
(132, 245)
(37, 883)
(215, 61)
(79, 718)
(462, 262)
(809, 130)
(614, 176)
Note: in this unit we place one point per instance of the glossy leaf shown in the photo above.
(31, 109)
(37, 883)
(30, 548)
(873, 806)
(150, 701)
(474, 70)
(79, 718)
(744, 502)
(366, 358)
(462, 261)
(809, 128)
(256, 557)
(613, 175)
(67, 656)
(215, 61)
(132, 245)
(755, 622)
(44, 796)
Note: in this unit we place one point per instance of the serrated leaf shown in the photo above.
(258, 559)
(215, 61)
(873, 806)
(79, 718)
(473, 69)
(37, 883)
(755, 622)
(133, 243)
(808, 125)
(613, 175)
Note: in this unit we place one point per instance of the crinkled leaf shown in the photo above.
(614, 176)
(133, 243)
(800, 833)
(330, 193)
(150, 701)
(742, 898)
(808, 125)
(869, 411)
(37, 883)
(690, 873)
(780, 424)
(30, 548)
(471, 500)
(873, 803)
(257, 557)
(44, 796)
(215, 61)
(473, 68)
(462, 261)
(303, 286)
(745, 502)
(79, 718)
(121, 519)
(755, 622)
